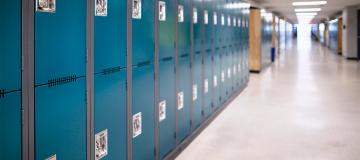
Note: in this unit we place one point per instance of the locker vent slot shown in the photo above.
(112, 70)
(167, 59)
(208, 50)
(184, 55)
(62, 80)
(217, 48)
(224, 47)
(2, 93)
(197, 52)
(142, 64)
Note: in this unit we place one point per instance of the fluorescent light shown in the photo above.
(307, 9)
(309, 3)
(307, 14)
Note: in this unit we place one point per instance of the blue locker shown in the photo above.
(197, 87)
(110, 77)
(10, 79)
(143, 72)
(60, 83)
(223, 53)
(208, 56)
(217, 56)
(167, 86)
(184, 81)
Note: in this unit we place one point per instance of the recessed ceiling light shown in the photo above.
(307, 14)
(309, 3)
(307, 9)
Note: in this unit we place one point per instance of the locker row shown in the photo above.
(115, 79)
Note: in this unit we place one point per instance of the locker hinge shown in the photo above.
(2, 93)
(61, 80)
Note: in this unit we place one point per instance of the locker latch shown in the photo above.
(2, 93)
(62, 80)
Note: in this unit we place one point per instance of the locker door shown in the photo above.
(60, 77)
(110, 77)
(228, 55)
(184, 74)
(223, 55)
(217, 53)
(10, 79)
(167, 102)
(143, 52)
(197, 87)
(208, 55)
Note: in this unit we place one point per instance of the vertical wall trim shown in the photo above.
(176, 72)
(156, 77)
(90, 155)
(191, 64)
(129, 78)
(27, 45)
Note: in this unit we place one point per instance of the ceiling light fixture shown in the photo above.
(307, 14)
(307, 9)
(309, 3)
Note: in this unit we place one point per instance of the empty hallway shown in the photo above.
(305, 106)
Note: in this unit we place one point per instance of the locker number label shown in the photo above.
(195, 15)
(101, 145)
(195, 92)
(137, 124)
(222, 76)
(100, 7)
(215, 81)
(206, 86)
(180, 100)
(162, 11)
(136, 9)
(215, 18)
(181, 13)
(206, 17)
(48, 6)
(162, 111)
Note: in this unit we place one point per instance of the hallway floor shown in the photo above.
(306, 106)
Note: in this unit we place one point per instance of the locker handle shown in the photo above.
(145, 63)
(217, 48)
(197, 52)
(2, 93)
(184, 55)
(167, 59)
(208, 50)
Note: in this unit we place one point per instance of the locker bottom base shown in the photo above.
(175, 152)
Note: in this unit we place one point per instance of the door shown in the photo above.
(167, 98)
(10, 79)
(60, 79)
(110, 114)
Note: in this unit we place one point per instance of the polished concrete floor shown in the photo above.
(306, 106)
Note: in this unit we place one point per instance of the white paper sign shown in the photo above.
(215, 81)
(229, 21)
(206, 86)
(222, 76)
(195, 92)
(48, 6)
(181, 13)
(229, 73)
(101, 8)
(234, 22)
(206, 17)
(195, 15)
(222, 19)
(215, 18)
(180, 100)
(101, 145)
(137, 124)
(162, 11)
(162, 111)
(136, 10)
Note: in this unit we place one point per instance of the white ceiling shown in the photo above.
(285, 9)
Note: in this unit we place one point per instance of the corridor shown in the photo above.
(303, 107)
